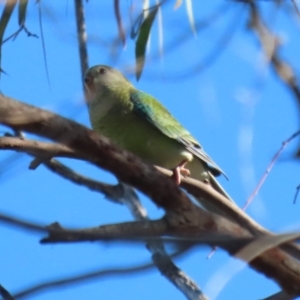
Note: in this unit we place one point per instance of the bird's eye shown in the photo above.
(102, 71)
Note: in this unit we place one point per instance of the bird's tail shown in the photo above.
(208, 205)
(216, 185)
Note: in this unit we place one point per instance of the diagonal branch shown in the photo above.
(183, 218)
(123, 194)
(127, 167)
(119, 193)
(270, 45)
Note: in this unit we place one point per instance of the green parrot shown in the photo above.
(137, 122)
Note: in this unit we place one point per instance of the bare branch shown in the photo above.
(296, 8)
(196, 188)
(117, 193)
(85, 277)
(273, 161)
(81, 37)
(114, 193)
(121, 193)
(177, 277)
(127, 167)
(270, 45)
(182, 219)
(5, 294)
(279, 296)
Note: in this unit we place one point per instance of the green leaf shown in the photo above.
(22, 11)
(189, 9)
(141, 43)
(5, 17)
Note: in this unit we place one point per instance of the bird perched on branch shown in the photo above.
(137, 122)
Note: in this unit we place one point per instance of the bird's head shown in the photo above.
(101, 79)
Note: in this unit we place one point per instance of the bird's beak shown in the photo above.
(88, 81)
(89, 85)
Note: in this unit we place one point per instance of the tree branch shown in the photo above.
(119, 193)
(182, 219)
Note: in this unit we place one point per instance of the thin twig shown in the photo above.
(81, 38)
(270, 46)
(112, 192)
(43, 40)
(296, 8)
(81, 278)
(86, 277)
(296, 194)
(268, 170)
(14, 35)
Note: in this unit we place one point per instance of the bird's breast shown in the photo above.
(132, 133)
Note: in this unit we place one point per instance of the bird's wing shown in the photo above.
(147, 107)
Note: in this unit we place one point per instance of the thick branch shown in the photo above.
(47, 150)
(194, 187)
(114, 192)
(127, 167)
(182, 218)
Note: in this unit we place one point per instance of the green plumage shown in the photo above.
(137, 122)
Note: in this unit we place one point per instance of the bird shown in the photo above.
(138, 123)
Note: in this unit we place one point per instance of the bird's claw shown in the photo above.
(180, 170)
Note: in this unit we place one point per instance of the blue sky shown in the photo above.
(236, 107)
